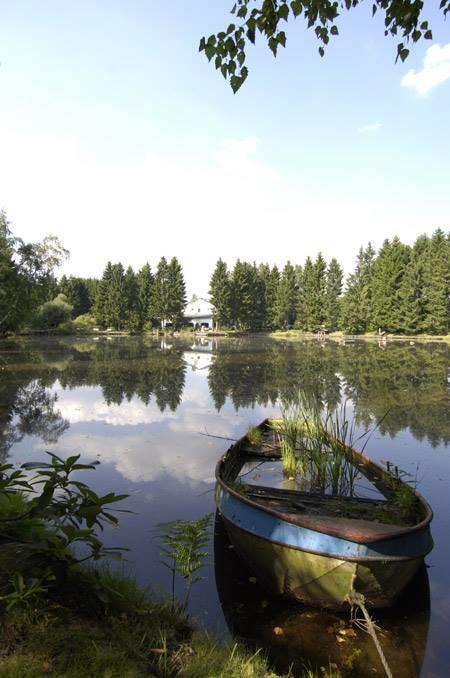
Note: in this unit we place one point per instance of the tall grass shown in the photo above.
(314, 443)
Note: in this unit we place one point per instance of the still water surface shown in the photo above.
(147, 409)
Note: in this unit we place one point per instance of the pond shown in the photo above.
(158, 413)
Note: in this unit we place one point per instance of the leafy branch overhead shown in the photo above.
(402, 18)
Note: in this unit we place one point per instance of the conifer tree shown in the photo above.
(437, 284)
(259, 299)
(132, 319)
(285, 302)
(176, 292)
(220, 294)
(102, 306)
(77, 293)
(160, 293)
(243, 280)
(305, 307)
(412, 289)
(116, 297)
(356, 307)
(144, 280)
(334, 278)
(389, 269)
(271, 291)
(319, 291)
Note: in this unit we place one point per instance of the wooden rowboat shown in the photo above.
(319, 548)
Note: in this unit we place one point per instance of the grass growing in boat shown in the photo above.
(254, 435)
(295, 429)
(312, 444)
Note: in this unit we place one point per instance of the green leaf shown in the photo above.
(210, 50)
(321, 51)
(281, 37)
(230, 29)
(283, 12)
(296, 7)
(241, 58)
(273, 44)
(428, 35)
(403, 52)
(334, 30)
(242, 13)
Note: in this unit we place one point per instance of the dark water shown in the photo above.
(143, 407)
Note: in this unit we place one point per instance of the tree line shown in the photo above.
(127, 300)
(400, 288)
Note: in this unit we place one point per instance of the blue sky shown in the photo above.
(120, 138)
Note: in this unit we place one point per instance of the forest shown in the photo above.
(398, 289)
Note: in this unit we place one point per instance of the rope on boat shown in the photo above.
(357, 600)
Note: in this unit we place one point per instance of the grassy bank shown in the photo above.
(72, 633)
(60, 616)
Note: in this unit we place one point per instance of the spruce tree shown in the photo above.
(220, 294)
(305, 297)
(412, 289)
(285, 303)
(243, 294)
(132, 320)
(144, 280)
(77, 293)
(389, 269)
(271, 291)
(101, 305)
(319, 292)
(160, 293)
(334, 278)
(356, 305)
(176, 292)
(116, 297)
(437, 284)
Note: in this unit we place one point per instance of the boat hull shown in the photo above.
(317, 568)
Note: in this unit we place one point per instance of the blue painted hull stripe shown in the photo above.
(269, 527)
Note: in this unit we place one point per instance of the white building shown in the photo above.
(199, 313)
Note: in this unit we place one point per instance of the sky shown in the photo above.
(120, 138)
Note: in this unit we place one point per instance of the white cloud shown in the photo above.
(372, 127)
(435, 70)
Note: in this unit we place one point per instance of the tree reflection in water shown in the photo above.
(408, 382)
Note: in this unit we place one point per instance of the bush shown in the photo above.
(85, 322)
(51, 314)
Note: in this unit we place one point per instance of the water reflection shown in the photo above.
(410, 383)
(31, 411)
(139, 405)
(295, 634)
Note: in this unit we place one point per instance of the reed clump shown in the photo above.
(254, 435)
(315, 445)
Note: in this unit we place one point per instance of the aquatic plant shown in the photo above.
(183, 542)
(316, 443)
(295, 431)
(254, 435)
